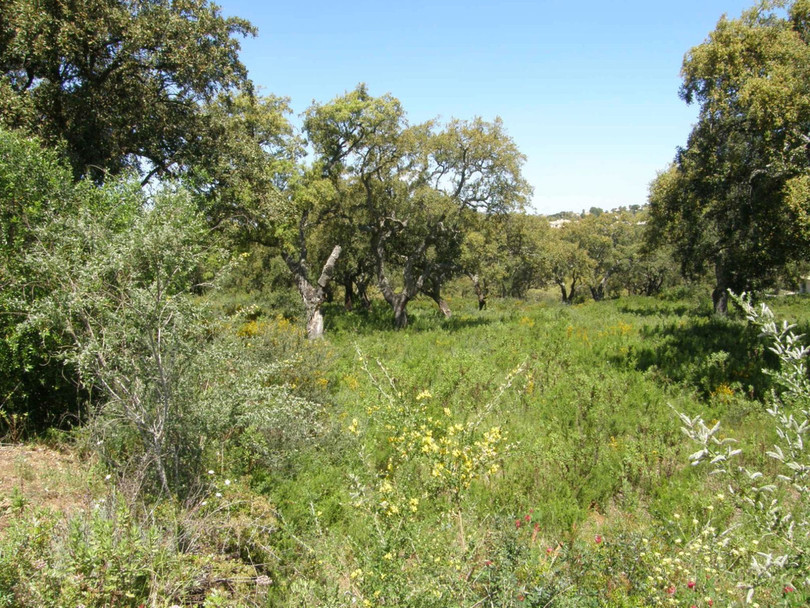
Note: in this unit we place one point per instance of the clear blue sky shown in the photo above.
(588, 90)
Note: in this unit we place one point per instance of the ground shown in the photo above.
(41, 477)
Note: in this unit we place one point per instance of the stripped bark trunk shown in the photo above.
(434, 292)
(598, 290)
(313, 295)
(412, 283)
(480, 290)
(720, 292)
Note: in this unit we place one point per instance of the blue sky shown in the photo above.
(588, 90)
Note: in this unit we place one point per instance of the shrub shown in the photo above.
(770, 540)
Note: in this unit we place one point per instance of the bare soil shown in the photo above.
(38, 476)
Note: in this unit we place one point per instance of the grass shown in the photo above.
(525, 455)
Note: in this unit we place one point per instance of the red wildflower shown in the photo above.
(598, 538)
(671, 589)
(528, 518)
(788, 589)
(488, 562)
(517, 523)
(691, 584)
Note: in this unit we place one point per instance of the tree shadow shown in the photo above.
(718, 357)
(379, 318)
(655, 308)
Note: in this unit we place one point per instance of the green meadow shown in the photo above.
(530, 454)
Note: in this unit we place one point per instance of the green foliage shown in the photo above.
(119, 83)
(120, 282)
(34, 185)
(735, 198)
(409, 189)
(241, 164)
(768, 539)
(100, 559)
(126, 295)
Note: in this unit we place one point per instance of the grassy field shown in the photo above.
(527, 455)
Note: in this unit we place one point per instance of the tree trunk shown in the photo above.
(314, 323)
(563, 292)
(480, 290)
(435, 294)
(598, 291)
(362, 293)
(412, 284)
(653, 286)
(720, 293)
(348, 298)
(400, 307)
(313, 295)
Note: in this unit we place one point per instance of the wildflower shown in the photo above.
(517, 523)
(227, 482)
(671, 590)
(788, 589)
(691, 584)
(210, 472)
(528, 518)
(598, 539)
(488, 562)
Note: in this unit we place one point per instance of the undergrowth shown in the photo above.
(526, 455)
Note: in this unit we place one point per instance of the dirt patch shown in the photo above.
(38, 476)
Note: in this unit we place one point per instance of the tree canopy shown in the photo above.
(117, 83)
(737, 196)
(410, 187)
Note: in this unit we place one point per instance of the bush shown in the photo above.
(35, 389)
